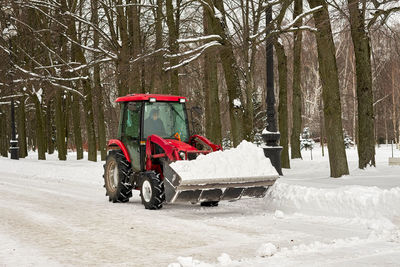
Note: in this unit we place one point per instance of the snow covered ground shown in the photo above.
(55, 213)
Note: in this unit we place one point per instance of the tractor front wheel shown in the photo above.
(116, 177)
(152, 191)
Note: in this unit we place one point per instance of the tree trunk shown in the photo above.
(159, 81)
(135, 47)
(88, 107)
(123, 66)
(173, 46)
(79, 56)
(231, 74)
(60, 130)
(67, 106)
(212, 109)
(362, 52)
(23, 150)
(49, 128)
(3, 135)
(330, 90)
(76, 120)
(296, 102)
(249, 107)
(101, 128)
(40, 136)
(44, 111)
(321, 126)
(283, 108)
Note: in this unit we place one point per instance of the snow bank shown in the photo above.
(351, 201)
(266, 250)
(189, 262)
(224, 259)
(246, 160)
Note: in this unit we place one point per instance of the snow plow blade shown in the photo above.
(201, 190)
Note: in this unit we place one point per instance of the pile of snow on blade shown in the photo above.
(369, 202)
(246, 160)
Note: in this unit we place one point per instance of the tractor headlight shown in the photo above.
(182, 155)
(152, 99)
(182, 100)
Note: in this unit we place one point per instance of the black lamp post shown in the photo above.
(8, 33)
(14, 149)
(271, 136)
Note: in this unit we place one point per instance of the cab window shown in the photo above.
(132, 120)
(165, 119)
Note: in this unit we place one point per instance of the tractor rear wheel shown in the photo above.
(152, 191)
(116, 177)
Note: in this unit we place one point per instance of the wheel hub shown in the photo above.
(146, 191)
(113, 175)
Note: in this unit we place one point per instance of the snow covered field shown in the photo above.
(55, 213)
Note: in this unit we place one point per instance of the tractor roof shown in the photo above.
(146, 97)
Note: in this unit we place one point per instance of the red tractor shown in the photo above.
(154, 132)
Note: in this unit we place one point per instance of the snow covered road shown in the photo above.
(55, 213)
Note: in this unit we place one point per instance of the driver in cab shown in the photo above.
(153, 124)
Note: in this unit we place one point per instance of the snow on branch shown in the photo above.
(52, 80)
(95, 27)
(51, 77)
(141, 57)
(45, 14)
(99, 50)
(92, 63)
(293, 29)
(183, 63)
(43, 45)
(47, 4)
(196, 50)
(141, 5)
(204, 3)
(67, 88)
(385, 13)
(26, 80)
(381, 99)
(196, 56)
(10, 96)
(304, 14)
(289, 27)
(269, 3)
(57, 65)
(212, 37)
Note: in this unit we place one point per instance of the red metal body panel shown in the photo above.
(181, 145)
(170, 151)
(193, 138)
(146, 97)
(171, 147)
(116, 142)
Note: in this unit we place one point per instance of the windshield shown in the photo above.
(165, 119)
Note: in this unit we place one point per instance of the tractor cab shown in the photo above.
(145, 115)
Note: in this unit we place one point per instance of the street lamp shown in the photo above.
(8, 33)
(271, 135)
